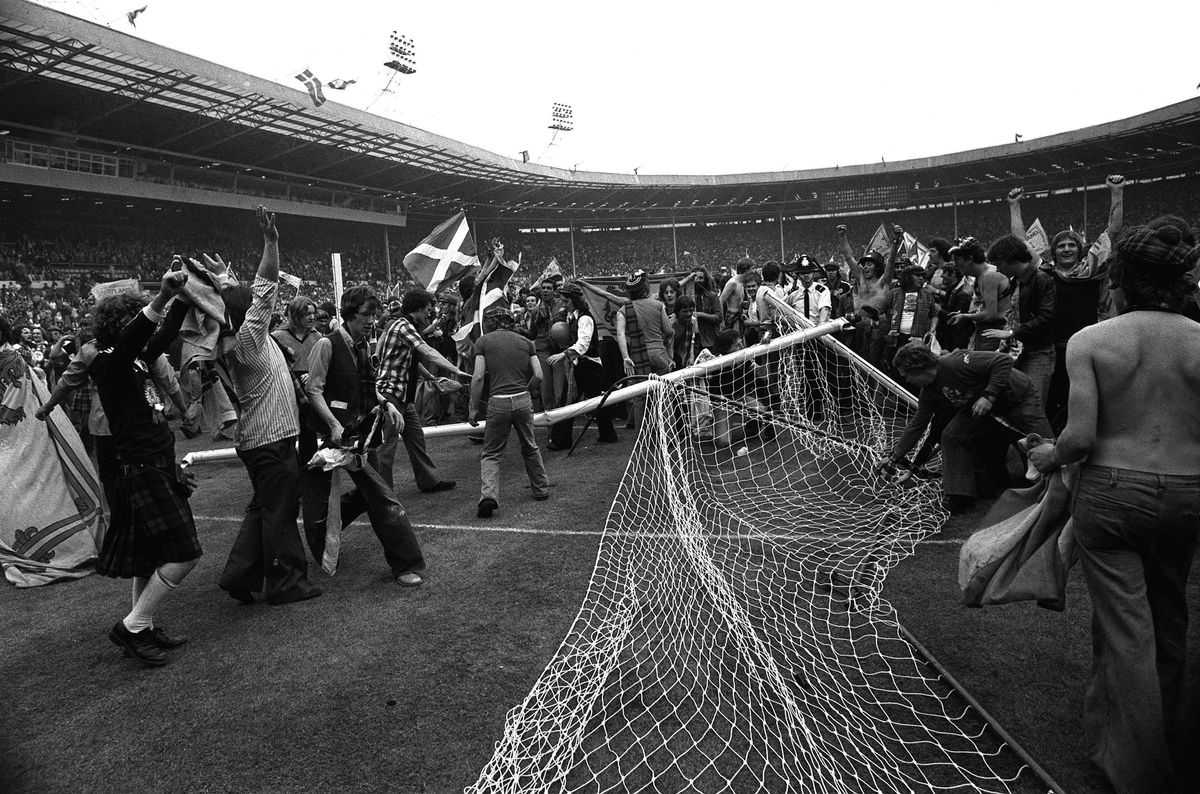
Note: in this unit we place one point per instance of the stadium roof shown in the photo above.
(74, 83)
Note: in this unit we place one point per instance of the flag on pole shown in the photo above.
(489, 289)
(314, 87)
(880, 242)
(444, 256)
(915, 250)
(552, 271)
(1036, 238)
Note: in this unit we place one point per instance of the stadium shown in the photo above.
(119, 154)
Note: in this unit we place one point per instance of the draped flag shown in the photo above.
(444, 256)
(606, 296)
(314, 87)
(489, 289)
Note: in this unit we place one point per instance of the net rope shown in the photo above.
(734, 636)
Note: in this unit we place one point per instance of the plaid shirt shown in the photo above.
(398, 360)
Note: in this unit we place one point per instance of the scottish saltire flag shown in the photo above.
(444, 256)
(488, 290)
(314, 87)
(880, 242)
(915, 250)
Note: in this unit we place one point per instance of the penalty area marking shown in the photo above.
(596, 532)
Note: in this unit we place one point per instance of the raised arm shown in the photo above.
(1116, 210)
(1015, 224)
(268, 266)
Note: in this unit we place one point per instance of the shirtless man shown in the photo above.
(1135, 380)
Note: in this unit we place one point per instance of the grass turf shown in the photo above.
(372, 687)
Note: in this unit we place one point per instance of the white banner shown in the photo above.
(1036, 238)
(337, 283)
(288, 278)
(110, 288)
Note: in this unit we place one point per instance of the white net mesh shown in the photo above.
(734, 637)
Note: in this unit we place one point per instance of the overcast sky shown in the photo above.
(699, 88)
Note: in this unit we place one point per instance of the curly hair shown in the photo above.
(1152, 265)
(113, 313)
(914, 357)
(1009, 248)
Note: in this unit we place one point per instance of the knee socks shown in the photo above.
(153, 592)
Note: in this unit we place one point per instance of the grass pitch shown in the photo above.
(372, 687)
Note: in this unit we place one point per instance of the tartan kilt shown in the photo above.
(151, 522)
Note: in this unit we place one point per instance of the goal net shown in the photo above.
(734, 636)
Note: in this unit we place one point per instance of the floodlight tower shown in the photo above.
(562, 118)
(404, 57)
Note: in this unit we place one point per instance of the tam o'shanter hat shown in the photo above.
(637, 278)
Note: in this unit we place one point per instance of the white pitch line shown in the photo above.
(597, 532)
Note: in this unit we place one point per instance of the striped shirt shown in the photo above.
(260, 376)
(398, 359)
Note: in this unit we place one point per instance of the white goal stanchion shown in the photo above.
(547, 418)
(734, 636)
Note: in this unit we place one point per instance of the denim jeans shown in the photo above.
(504, 414)
(268, 548)
(1137, 533)
(1039, 366)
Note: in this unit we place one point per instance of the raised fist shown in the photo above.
(841, 230)
(1015, 195)
(173, 282)
(897, 231)
(1115, 180)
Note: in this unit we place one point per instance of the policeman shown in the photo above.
(811, 298)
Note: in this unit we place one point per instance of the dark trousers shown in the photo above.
(108, 468)
(424, 470)
(592, 380)
(1060, 388)
(1137, 534)
(374, 497)
(964, 436)
(268, 545)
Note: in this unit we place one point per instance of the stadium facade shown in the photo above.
(86, 109)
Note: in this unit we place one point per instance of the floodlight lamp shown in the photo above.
(403, 54)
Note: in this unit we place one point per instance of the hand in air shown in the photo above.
(1115, 180)
(1015, 195)
(266, 222)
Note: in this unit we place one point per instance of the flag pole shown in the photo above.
(574, 271)
(387, 255)
(782, 256)
(1085, 210)
(675, 245)
(954, 203)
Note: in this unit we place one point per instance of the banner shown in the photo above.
(552, 271)
(337, 283)
(606, 295)
(288, 278)
(1036, 238)
(915, 250)
(110, 288)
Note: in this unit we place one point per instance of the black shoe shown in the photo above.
(140, 646)
(164, 640)
(487, 507)
(552, 447)
(444, 485)
(614, 438)
(241, 596)
(292, 596)
(541, 497)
